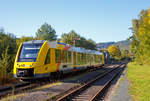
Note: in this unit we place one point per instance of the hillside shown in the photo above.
(122, 44)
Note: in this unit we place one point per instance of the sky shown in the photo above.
(100, 20)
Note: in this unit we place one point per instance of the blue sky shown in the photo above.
(100, 20)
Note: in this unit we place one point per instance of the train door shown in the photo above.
(47, 61)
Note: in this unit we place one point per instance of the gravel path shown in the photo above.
(121, 93)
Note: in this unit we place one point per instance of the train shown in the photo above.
(42, 58)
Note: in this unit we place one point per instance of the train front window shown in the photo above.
(29, 52)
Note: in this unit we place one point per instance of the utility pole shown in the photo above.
(74, 41)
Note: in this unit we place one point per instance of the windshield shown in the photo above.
(29, 52)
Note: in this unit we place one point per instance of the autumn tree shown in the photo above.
(140, 44)
(114, 51)
(46, 32)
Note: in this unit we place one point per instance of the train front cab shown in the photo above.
(33, 60)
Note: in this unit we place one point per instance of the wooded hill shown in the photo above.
(124, 44)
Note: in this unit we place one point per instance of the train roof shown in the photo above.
(80, 50)
(54, 44)
(34, 41)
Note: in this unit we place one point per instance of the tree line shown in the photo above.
(140, 45)
(9, 45)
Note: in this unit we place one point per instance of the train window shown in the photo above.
(64, 56)
(88, 58)
(78, 58)
(47, 60)
(57, 55)
(84, 58)
(92, 58)
(29, 52)
(95, 58)
(101, 59)
(69, 56)
(74, 58)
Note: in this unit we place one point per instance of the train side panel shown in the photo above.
(53, 57)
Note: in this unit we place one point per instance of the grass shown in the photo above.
(8, 80)
(13, 97)
(139, 78)
(47, 86)
(120, 81)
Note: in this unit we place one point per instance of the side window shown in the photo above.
(78, 58)
(95, 59)
(57, 55)
(64, 56)
(88, 57)
(69, 56)
(74, 58)
(101, 58)
(82, 58)
(47, 60)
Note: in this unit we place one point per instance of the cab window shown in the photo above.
(47, 60)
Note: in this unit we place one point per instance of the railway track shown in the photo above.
(21, 87)
(91, 90)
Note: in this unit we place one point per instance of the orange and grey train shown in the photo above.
(40, 58)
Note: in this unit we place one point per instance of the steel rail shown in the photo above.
(22, 87)
(15, 88)
(10, 87)
(84, 86)
(102, 88)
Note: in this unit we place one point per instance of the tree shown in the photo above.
(79, 40)
(23, 39)
(140, 44)
(7, 40)
(91, 44)
(125, 54)
(114, 51)
(69, 37)
(8, 50)
(4, 64)
(46, 32)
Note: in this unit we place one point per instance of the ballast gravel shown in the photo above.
(46, 93)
